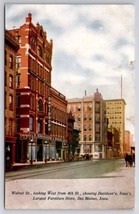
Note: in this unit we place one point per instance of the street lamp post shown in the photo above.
(45, 154)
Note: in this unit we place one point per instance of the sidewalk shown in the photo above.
(18, 166)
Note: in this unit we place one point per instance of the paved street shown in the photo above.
(73, 170)
(83, 185)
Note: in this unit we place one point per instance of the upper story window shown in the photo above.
(31, 122)
(39, 51)
(97, 107)
(11, 81)
(90, 137)
(18, 62)
(19, 40)
(11, 61)
(33, 44)
(11, 102)
(39, 126)
(40, 105)
(85, 128)
(18, 100)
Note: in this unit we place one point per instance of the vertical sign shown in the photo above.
(49, 114)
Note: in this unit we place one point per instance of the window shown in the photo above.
(79, 119)
(18, 124)
(90, 137)
(18, 62)
(39, 126)
(84, 137)
(85, 117)
(47, 58)
(33, 44)
(32, 82)
(97, 107)
(97, 127)
(79, 108)
(31, 121)
(17, 100)
(40, 87)
(11, 62)
(85, 107)
(19, 40)
(90, 117)
(40, 105)
(32, 102)
(11, 102)
(97, 117)
(18, 79)
(90, 127)
(97, 137)
(39, 51)
(11, 81)
(85, 128)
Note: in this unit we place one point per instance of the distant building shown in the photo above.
(90, 113)
(116, 119)
(11, 48)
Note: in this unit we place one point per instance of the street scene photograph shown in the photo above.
(69, 106)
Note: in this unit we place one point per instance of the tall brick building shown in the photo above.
(36, 100)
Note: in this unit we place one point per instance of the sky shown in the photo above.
(93, 47)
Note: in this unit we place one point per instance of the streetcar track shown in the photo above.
(50, 171)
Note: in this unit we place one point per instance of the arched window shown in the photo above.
(40, 105)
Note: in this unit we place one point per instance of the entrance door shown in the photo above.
(39, 150)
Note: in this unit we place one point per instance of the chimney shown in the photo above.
(29, 18)
(85, 93)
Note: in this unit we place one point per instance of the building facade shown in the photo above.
(70, 134)
(112, 142)
(127, 145)
(116, 119)
(35, 97)
(58, 130)
(11, 48)
(90, 113)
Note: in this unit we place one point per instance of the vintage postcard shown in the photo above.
(69, 106)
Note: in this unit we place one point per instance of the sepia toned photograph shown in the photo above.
(69, 106)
